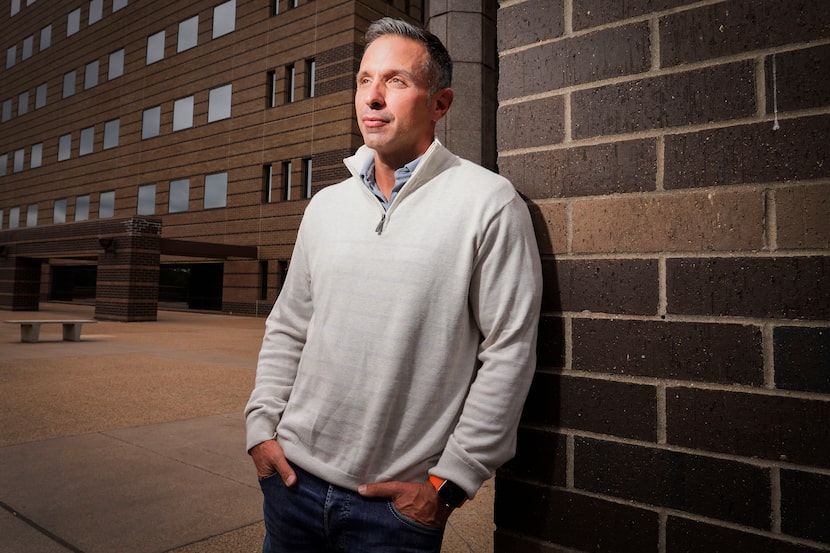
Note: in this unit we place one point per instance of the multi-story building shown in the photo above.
(186, 136)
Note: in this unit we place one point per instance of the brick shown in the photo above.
(802, 216)
(616, 408)
(802, 358)
(559, 516)
(628, 286)
(540, 456)
(750, 425)
(550, 347)
(798, 79)
(701, 221)
(590, 13)
(779, 287)
(798, 150)
(726, 29)
(689, 483)
(605, 54)
(717, 93)
(530, 22)
(550, 223)
(804, 500)
(529, 124)
(689, 536)
(614, 168)
(723, 353)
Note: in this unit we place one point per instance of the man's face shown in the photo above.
(395, 111)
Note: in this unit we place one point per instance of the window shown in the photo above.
(146, 200)
(267, 183)
(7, 110)
(64, 147)
(19, 156)
(216, 190)
(37, 156)
(118, 4)
(106, 205)
(45, 37)
(15, 7)
(183, 113)
(155, 47)
(96, 11)
(179, 196)
(87, 141)
(263, 279)
(188, 34)
(91, 75)
(271, 86)
(116, 65)
(40, 96)
(28, 47)
(286, 180)
(31, 215)
(275, 7)
(69, 84)
(82, 208)
(290, 76)
(151, 122)
(73, 22)
(23, 103)
(219, 103)
(59, 212)
(310, 76)
(1, 219)
(4, 162)
(11, 56)
(14, 217)
(111, 129)
(307, 177)
(224, 18)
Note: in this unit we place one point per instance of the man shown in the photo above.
(398, 356)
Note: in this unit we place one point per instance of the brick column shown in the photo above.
(128, 274)
(19, 283)
(468, 29)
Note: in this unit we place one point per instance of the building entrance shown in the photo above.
(191, 286)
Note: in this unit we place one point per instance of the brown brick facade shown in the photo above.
(675, 157)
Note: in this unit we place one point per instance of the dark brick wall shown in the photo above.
(675, 157)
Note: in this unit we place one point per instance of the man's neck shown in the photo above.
(385, 171)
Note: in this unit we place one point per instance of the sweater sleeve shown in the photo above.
(505, 298)
(285, 335)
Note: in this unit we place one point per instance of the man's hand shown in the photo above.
(417, 500)
(269, 458)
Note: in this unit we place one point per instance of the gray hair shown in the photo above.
(439, 64)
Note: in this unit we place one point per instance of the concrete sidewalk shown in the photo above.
(132, 440)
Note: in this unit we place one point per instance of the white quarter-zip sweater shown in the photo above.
(403, 341)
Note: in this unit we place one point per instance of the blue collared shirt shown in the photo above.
(367, 175)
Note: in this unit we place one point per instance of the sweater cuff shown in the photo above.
(458, 467)
(258, 429)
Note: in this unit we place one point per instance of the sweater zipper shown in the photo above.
(379, 228)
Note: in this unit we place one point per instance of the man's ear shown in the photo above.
(442, 100)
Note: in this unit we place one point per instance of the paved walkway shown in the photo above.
(132, 440)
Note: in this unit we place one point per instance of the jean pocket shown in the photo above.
(270, 480)
(413, 524)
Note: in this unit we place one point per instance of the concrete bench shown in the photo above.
(30, 330)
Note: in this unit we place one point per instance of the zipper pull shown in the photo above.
(379, 228)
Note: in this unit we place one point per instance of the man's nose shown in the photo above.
(374, 96)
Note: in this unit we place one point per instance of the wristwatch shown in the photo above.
(450, 494)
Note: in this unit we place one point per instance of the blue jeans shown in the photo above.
(314, 516)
